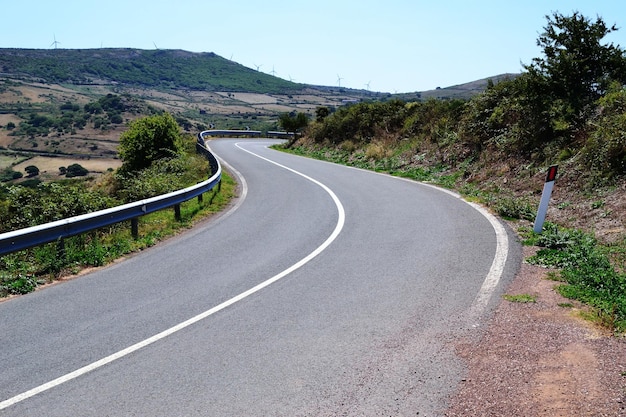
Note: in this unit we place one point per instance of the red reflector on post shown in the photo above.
(551, 176)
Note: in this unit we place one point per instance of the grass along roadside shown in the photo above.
(23, 271)
(588, 272)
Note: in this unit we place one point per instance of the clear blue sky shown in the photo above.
(394, 45)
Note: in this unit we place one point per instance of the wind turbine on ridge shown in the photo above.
(339, 80)
(55, 43)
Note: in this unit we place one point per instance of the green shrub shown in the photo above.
(23, 284)
(605, 150)
(147, 140)
(26, 206)
(74, 170)
(163, 176)
(515, 208)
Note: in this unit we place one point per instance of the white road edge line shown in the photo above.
(500, 257)
(242, 181)
(118, 355)
(497, 267)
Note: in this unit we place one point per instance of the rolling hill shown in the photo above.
(134, 67)
(43, 93)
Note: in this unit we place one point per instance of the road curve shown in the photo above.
(326, 290)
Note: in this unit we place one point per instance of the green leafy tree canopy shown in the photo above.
(32, 170)
(293, 122)
(147, 140)
(577, 65)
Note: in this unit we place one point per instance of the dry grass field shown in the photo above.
(50, 165)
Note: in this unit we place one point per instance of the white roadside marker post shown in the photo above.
(545, 199)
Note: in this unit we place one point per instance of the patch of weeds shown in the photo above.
(22, 284)
(550, 258)
(587, 269)
(554, 238)
(515, 208)
(448, 181)
(418, 174)
(554, 276)
(607, 309)
(520, 298)
(563, 205)
(597, 204)
(527, 235)
(566, 305)
(472, 193)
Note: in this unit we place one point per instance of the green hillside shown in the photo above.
(145, 68)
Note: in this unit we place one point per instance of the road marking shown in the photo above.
(118, 355)
(242, 181)
(500, 256)
(497, 266)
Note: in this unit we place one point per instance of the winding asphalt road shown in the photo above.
(324, 291)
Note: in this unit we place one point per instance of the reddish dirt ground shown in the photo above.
(541, 359)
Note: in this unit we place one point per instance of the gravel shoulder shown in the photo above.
(541, 359)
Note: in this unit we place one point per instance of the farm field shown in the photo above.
(49, 166)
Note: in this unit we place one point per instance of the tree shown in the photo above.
(7, 174)
(116, 118)
(321, 113)
(293, 122)
(93, 108)
(148, 139)
(32, 170)
(576, 65)
(75, 170)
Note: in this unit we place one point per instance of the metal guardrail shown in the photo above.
(280, 135)
(58, 230)
(234, 133)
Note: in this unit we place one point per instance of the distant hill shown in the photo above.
(460, 91)
(178, 69)
(165, 69)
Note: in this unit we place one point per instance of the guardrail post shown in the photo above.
(200, 198)
(61, 248)
(134, 227)
(177, 212)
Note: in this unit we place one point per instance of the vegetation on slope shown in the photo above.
(147, 68)
(69, 117)
(176, 166)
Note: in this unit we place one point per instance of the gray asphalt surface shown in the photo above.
(364, 328)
